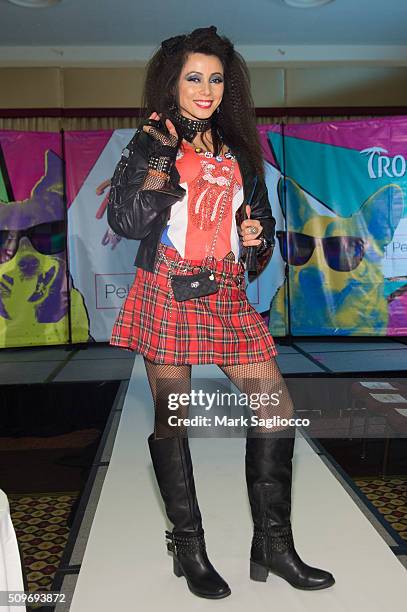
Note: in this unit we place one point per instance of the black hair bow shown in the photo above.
(211, 31)
(172, 45)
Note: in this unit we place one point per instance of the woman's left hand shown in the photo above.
(248, 236)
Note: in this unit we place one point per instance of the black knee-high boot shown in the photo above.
(174, 472)
(269, 479)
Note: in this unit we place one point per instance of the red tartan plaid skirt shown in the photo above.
(221, 328)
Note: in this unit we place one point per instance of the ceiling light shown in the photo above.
(306, 3)
(34, 3)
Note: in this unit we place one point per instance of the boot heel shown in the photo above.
(258, 572)
(177, 568)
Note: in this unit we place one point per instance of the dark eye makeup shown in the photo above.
(193, 77)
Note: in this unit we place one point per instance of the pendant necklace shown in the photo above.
(209, 154)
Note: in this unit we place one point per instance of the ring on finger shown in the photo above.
(253, 229)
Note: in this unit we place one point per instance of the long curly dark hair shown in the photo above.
(235, 121)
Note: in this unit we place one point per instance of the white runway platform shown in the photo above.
(126, 566)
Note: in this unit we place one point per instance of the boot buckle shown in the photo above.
(170, 545)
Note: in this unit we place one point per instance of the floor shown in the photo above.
(99, 564)
(104, 362)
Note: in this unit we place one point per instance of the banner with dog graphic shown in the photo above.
(337, 191)
(35, 306)
(101, 263)
(343, 197)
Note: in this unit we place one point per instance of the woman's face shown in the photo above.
(200, 86)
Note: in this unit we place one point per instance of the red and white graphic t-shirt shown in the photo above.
(193, 220)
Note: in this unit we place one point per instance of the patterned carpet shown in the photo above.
(389, 496)
(40, 523)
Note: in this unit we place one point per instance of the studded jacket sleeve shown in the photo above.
(132, 211)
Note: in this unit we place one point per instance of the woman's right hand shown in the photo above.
(170, 139)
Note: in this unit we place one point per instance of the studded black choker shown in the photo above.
(188, 128)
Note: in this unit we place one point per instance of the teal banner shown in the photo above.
(342, 236)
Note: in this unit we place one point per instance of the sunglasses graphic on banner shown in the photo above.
(46, 238)
(342, 253)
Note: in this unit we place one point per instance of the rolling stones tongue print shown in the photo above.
(193, 220)
(207, 191)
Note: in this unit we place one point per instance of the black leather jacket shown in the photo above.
(143, 215)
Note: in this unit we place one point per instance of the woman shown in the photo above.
(201, 134)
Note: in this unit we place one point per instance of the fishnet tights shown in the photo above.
(254, 378)
(263, 378)
(165, 379)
